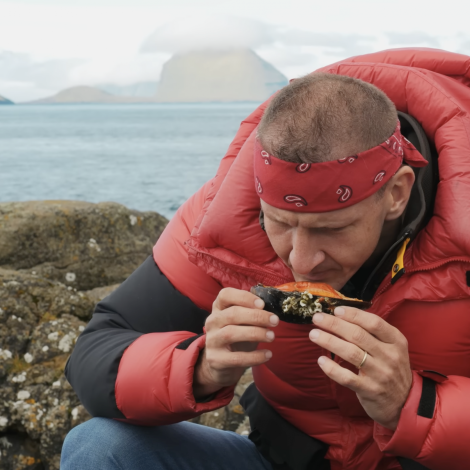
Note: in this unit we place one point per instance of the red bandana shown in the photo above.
(328, 186)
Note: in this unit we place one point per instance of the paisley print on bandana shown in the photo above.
(299, 201)
(379, 177)
(303, 167)
(345, 193)
(259, 188)
(314, 187)
(351, 159)
(267, 158)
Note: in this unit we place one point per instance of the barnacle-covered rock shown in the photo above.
(297, 302)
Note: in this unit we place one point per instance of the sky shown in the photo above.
(49, 45)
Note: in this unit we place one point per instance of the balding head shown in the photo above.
(323, 117)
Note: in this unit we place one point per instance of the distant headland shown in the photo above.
(199, 76)
(4, 100)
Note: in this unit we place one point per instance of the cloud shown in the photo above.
(297, 37)
(23, 78)
(209, 32)
(294, 51)
(120, 70)
(464, 47)
(415, 38)
(21, 67)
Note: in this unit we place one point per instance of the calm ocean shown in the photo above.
(147, 157)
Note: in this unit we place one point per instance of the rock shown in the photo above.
(99, 293)
(18, 452)
(27, 300)
(39, 323)
(231, 417)
(244, 427)
(35, 398)
(80, 244)
(59, 259)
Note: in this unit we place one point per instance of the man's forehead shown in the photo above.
(333, 218)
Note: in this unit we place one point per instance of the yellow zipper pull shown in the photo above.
(398, 268)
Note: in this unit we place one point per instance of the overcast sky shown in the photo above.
(48, 45)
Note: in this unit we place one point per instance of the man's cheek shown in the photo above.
(281, 244)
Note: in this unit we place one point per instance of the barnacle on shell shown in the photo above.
(297, 302)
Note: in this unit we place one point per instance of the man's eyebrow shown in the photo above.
(275, 218)
(324, 226)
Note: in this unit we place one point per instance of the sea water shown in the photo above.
(146, 156)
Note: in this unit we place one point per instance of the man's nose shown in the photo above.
(304, 257)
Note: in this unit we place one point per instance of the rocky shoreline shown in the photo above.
(57, 260)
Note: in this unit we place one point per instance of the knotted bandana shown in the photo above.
(329, 186)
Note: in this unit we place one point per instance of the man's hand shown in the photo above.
(384, 381)
(233, 330)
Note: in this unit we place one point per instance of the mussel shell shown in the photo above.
(274, 298)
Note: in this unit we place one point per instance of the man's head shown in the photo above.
(320, 118)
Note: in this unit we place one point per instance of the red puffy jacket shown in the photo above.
(215, 240)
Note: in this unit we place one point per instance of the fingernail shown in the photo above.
(339, 311)
(269, 354)
(259, 303)
(314, 334)
(274, 319)
(270, 335)
(321, 360)
(318, 317)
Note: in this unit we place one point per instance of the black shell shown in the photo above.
(274, 299)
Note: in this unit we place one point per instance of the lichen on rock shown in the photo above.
(57, 260)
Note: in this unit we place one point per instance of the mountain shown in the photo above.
(140, 89)
(237, 75)
(4, 100)
(202, 76)
(85, 94)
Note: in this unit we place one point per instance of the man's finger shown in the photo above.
(341, 375)
(369, 322)
(229, 297)
(231, 334)
(344, 349)
(350, 332)
(223, 359)
(244, 316)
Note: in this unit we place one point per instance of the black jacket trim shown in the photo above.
(407, 464)
(185, 344)
(427, 402)
(281, 443)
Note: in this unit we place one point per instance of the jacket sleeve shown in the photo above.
(135, 359)
(434, 425)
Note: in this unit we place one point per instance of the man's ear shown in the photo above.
(398, 192)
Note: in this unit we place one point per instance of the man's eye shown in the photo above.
(278, 223)
(338, 229)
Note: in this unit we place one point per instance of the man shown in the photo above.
(332, 177)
